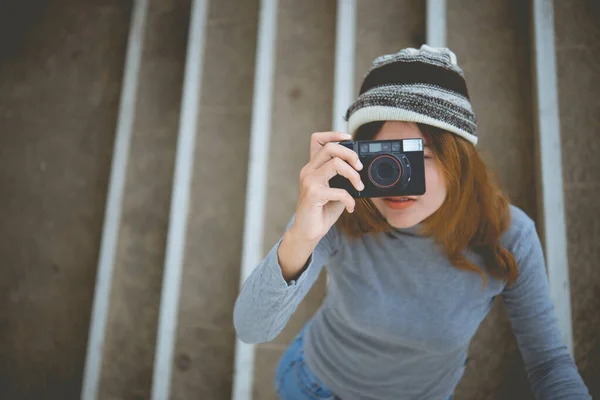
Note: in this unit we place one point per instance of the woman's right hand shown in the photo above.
(319, 206)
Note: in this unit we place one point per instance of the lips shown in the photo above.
(400, 198)
(399, 202)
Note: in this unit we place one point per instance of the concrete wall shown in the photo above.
(60, 83)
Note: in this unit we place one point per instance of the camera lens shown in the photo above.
(385, 171)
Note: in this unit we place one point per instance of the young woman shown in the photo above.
(411, 278)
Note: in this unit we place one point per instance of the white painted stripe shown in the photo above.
(178, 216)
(436, 23)
(252, 250)
(112, 213)
(345, 60)
(550, 180)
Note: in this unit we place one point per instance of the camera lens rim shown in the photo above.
(398, 164)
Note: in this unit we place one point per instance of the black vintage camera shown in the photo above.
(390, 168)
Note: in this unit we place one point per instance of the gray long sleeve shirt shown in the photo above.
(398, 317)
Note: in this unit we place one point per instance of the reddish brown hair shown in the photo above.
(474, 214)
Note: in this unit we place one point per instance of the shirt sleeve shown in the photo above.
(551, 370)
(266, 301)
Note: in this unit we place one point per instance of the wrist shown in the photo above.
(299, 239)
(293, 253)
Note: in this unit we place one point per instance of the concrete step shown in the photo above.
(130, 341)
(491, 40)
(60, 81)
(577, 28)
(204, 348)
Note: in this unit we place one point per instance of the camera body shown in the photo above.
(390, 168)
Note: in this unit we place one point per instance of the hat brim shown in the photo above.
(385, 113)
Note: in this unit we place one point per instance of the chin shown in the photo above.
(403, 221)
(403, 218)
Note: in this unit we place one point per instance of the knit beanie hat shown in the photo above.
(416, 85)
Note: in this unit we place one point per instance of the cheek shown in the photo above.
(435, 185)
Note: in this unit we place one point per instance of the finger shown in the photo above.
(332, 150)
(320, 139)
(341, 195)
(336, 166)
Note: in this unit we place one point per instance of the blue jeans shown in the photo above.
(295, 381)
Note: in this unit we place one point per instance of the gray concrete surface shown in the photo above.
(135, 298)
(386, 27)
(577, 24)
(60, 83)
(204, 351)
(491, 40)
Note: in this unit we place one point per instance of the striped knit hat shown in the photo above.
(416, 85)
